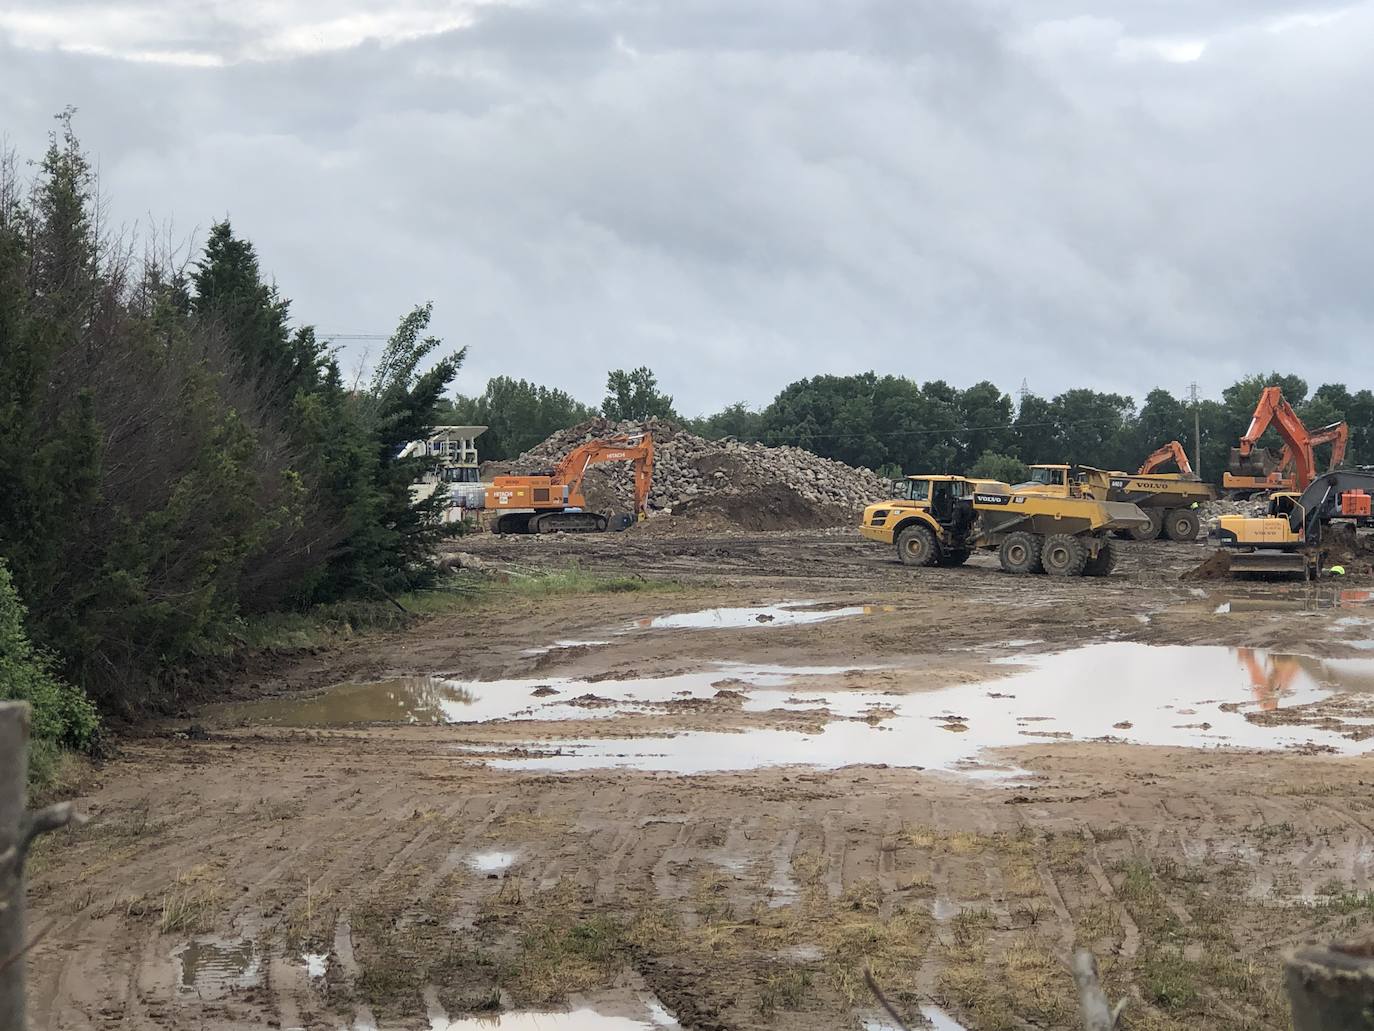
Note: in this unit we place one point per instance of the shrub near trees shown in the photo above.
(174, 454)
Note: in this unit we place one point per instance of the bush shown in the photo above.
(1004, 468)
(62, 715)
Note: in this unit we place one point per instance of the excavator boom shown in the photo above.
(1163, 455)
(1273, 410)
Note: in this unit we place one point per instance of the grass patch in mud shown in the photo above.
(286, 631)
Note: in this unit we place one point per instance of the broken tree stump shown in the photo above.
(1331, 986)
(18, 829)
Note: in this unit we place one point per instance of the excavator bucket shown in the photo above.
(1259, 462)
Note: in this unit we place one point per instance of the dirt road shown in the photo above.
(712, 802)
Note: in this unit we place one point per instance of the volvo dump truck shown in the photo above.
(1289, 538)
(941, 520)
(1167, 500)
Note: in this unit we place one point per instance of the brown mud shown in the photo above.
(373, 872)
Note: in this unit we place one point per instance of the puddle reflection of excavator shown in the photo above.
(1272, 679)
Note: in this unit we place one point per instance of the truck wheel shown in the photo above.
(916, 546)
(1181, 524)
(1151, 532)
(1064, 555)
(1020, 552)
(1105, 561)
(954, 556)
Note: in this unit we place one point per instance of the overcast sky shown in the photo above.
(740, 193)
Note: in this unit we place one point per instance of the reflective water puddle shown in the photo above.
(935, 1018)
(786, 614)
(491, 862)
(653, 1017)
(1277, 598)
(1178, 696)
(433, 700)
(209, 966)
(316, 963)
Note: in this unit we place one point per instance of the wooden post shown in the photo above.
(1331, 986)
(14, 748)
(18, 829)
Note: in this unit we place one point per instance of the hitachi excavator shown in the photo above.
(553, 501)
(1255, 469)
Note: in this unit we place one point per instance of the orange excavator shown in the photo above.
(1163, 455)
(1255, 469)
(553, 501)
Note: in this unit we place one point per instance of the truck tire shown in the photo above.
(1064, 555)
(1181, 524)
(916, 546)
(954, 556)
(1105, 561)
(1151, 532)
(1020, 552)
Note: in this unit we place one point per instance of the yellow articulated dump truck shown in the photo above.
(1167, 499)
(940, 520)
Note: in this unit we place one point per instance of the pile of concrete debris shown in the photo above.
(1212, 511)
(724, 482)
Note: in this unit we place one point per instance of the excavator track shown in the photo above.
(567, 522)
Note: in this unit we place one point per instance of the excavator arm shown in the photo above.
(1274, 410)
(1163, 455)
(639, 450)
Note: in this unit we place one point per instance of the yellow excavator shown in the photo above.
(940, 521)
(1289, 538)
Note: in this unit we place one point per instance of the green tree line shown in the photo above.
(894, 424)
(175, 454)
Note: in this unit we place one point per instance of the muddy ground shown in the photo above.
(949, 789)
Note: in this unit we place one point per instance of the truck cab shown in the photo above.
(1052, 481)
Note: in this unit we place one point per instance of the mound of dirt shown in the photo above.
(723, 484)
(772, 507)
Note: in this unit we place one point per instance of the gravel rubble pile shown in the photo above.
(751, 486)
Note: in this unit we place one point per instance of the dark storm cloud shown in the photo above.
(740, 194)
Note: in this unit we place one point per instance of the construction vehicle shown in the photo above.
(451, 468)
(553, 501)
(1282, 474)
(1162, 456)
(1289, 538)
(1253, 469)
(941, 520)
(1168, 501)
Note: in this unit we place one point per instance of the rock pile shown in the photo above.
(1212, 511)
(749, 486)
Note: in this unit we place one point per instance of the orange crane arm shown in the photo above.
(1163, 455)
(1337, 435)
(639, 450)
(1273, 408)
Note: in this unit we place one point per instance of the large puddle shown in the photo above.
(1174, 696)
(1190, 696)
(434, 700)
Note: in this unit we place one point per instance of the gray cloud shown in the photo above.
(1118, 195)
